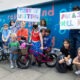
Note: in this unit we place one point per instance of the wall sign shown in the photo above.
(70, 20)
(28, 14)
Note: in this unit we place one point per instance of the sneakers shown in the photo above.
(77, 72)
(15, 65)
(12, 66)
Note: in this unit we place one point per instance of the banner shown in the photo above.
(70, 20)
(28, 14)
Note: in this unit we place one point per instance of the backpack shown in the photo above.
(62, 68)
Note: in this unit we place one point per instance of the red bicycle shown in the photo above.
(24, 60)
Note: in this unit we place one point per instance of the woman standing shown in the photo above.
(13, 28)
(22, 32)
(42, 25)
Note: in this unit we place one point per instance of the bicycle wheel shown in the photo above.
(0, 57)
(53, 61)
(23, 62)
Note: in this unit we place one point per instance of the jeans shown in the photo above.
(13, 56)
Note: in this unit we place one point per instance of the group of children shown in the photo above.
(40, 38)
(11, 38)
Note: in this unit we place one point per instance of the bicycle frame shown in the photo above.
(41, 56)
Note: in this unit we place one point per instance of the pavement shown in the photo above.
(33, 73)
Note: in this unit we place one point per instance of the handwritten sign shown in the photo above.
(70, 20)
(28, 14)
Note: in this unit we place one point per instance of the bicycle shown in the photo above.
(24, 61)
(4, 56)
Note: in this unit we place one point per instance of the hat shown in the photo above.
(5, 24)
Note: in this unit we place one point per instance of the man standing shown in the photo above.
(75, 37)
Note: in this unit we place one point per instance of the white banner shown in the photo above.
(70, 20)
(28, 14)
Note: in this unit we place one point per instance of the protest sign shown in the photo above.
(70, 20)
(28, 14)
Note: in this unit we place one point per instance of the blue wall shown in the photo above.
(50, 12)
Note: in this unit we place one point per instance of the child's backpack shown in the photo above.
(62, 68)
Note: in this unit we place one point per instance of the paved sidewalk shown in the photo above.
(33, 73)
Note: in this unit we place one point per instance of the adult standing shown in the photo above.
(22, 32)
(13, 26)
(75, 37)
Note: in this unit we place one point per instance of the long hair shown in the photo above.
(44, 22)
(67, 42)
(11, 22)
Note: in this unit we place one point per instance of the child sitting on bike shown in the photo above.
(14, 46)
(47, 41)
(37, 41)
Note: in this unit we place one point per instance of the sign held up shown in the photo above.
(28, 14)
(70, 20)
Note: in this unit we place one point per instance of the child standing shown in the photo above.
(5, 36)
(76, 62)
(37, 40)
(47, 40)
(42, 25)
(14, 46)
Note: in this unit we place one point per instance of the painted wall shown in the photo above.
(51, 13)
